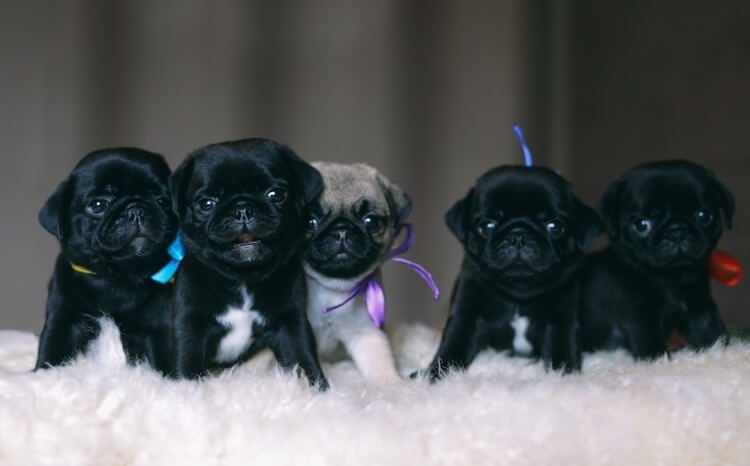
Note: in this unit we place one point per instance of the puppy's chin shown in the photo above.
(247, 254)
(518, 271)
(243, 251)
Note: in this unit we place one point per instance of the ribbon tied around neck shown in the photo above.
(725, 268)
(373, 291)
(176, 253)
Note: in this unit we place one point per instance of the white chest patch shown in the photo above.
(239, 323)
(520, 344)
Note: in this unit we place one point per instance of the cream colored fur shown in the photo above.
(694, 409)
(348, 328)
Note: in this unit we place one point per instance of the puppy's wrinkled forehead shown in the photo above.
(522, 191)
(111, 174)
(664, 191)
(222, 174)
(348, 187)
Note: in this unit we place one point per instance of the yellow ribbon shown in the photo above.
(84, 270)
(81, 269)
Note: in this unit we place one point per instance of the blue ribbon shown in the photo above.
(177, 253)
(526, 152)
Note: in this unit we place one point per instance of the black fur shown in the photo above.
(518, 267)
(123, 244)
(248, 238)
(645, 286)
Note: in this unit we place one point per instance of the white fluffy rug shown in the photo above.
(694, 409)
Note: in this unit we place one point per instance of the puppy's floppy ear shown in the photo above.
(307, 178)
(588, 227)
(726, 201)
(609, 207)
(52, 215)
(178, 183)
(399, 202)
(458, 218)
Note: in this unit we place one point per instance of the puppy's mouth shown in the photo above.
(520, 268)
(140, 240)
(246, 239)
(142, 245)
(245, 249)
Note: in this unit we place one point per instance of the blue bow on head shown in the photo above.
(526, 152)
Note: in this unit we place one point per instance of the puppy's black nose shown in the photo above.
(677, 230)
(135, 214)
(518, 236)
(243, 213)
(341, 232)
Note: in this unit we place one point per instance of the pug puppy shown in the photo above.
(242, 208)
(351, 229)
(524, 233)
(113, 219)
(664, 219)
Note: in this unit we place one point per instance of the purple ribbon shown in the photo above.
(374, 297)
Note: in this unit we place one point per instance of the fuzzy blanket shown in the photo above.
(694, 409)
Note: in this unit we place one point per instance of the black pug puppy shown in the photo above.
(664, 219)
(243, 208)
(113, 219)
(523, 232)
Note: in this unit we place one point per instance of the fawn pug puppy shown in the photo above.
(113, 219)
(524, 232)
(242, 207)
(350, 230)
(664, 219)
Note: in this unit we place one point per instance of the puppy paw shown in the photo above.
(322, 385)
(432, 375)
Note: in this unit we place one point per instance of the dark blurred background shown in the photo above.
(426, 91)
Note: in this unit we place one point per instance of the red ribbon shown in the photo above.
(725, 268)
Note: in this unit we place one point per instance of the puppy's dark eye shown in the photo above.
(276, 195)
(555, 228)
(163, 201)
(704, 217)
(97, 207)
(206, 204)
(312, 223)
(486, 227)
(372, 222)
(642, 227)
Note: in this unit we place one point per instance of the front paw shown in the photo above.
(431, 374)
(316, 380)
(321, 384)
(569, 368)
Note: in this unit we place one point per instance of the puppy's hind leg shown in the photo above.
(371, 352)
